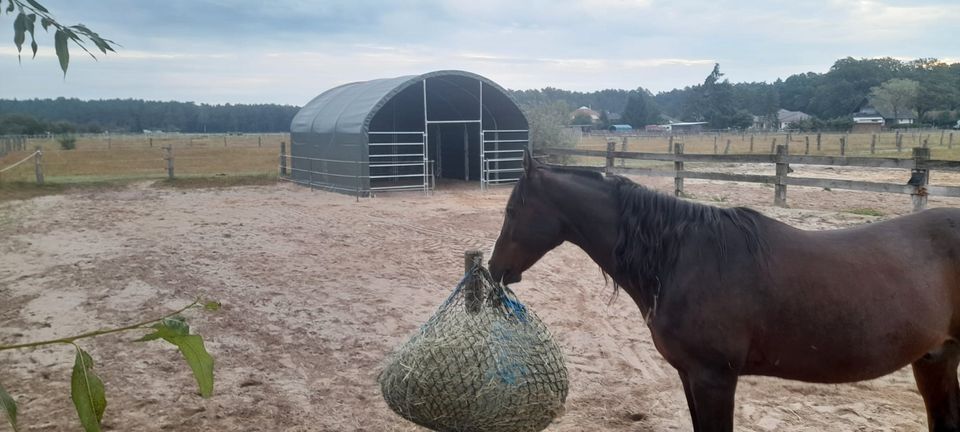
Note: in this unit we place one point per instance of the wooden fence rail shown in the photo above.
(918, 186)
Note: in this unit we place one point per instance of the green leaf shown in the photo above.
(212, 306)
(199, 360)
(31, 19)
(87, 392)
(10, 7)
(19, 28)
(45, 22)
(167, 329)
(63, 53)
(37, 6)
(9, 406)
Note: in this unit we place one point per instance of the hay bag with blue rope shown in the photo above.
(483, 362)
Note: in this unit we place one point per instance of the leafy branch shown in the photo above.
(28, 11)
(86, 388)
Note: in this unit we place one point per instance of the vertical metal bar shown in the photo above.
(425, 135)
(483, 145)
(466, 153)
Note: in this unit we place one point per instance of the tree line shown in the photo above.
(61, 115)
(926, 87)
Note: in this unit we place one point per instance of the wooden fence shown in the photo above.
(918, 185)
(11, 144)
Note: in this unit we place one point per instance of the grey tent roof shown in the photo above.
(349, 108)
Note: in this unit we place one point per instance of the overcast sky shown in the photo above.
(288, 51)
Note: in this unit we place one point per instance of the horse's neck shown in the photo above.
(591, 217)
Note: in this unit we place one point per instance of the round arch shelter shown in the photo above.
(403, 133)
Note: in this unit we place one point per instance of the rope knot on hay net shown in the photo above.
(482, 362)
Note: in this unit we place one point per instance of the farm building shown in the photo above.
(867, 120)
(403, 133)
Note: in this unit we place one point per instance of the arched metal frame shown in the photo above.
(348, 140)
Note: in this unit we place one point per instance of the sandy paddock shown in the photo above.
(317, 288)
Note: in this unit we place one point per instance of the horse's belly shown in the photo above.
(846, 348)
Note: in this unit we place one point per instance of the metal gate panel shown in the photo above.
(501, 155)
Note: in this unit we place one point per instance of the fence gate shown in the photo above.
(501, 156)
(398, 161)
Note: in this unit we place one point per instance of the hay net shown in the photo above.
(483, 362)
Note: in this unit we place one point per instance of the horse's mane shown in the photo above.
(654, 228)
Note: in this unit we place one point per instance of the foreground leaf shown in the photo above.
(87, 392)
(199, 360)
(19, 30)
(168, 328)
(63, 52)
(9, 406)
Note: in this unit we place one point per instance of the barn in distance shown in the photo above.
(403, 133)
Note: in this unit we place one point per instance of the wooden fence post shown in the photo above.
(168, 155)
(843, 146)
(726, 149)
(806, 149)
(925, 145)
(898, 140)
(611, 147)
(38, 165)
(473, 290)
(714, 144)
(780, 189)
(224, 140)
(873, 144)
(919, 178)
(818, 141)
(950, 143)
(670, 144)
(678, 170)
(773, 145)
(941, 137)
(623, 148)
(283, 159)
(751, 143)
(151, 142)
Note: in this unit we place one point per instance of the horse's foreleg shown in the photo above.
(689, 395)
(937, 381)
(713, 400)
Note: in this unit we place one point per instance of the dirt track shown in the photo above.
(317, 289)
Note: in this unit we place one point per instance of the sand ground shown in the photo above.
(317, 288)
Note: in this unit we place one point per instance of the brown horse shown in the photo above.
(727, 292)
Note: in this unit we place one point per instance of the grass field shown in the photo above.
(118, 158)
(763, 143)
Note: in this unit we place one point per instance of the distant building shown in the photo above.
(870, 119)
(685, 127)
(786, 117)
(620, 128)
(585, 111)
(867, 120)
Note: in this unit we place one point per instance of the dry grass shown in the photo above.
(857, 144)
(101, 160)
(86, 165)
(157, 141)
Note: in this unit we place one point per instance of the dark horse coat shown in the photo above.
(727, 292)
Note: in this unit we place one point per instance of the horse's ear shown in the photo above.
(529, 163)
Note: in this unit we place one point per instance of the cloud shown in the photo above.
(289, 50)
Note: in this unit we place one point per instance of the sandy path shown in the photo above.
(317, 288)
